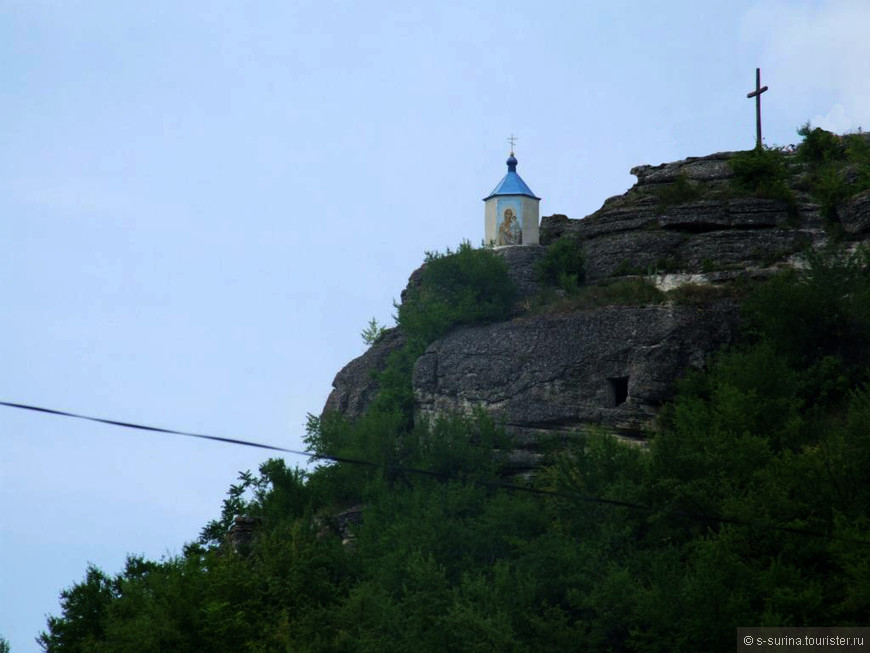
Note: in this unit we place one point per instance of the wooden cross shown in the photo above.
(759, 89)
(513, 141)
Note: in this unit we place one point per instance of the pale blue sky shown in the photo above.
(203, 203)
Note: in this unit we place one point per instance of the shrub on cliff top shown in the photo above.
(563, 264)
(468, 285)
(761, 172)
(622, 292)
(839, 167)
(680, 191)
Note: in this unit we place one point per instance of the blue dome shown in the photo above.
(511, 184)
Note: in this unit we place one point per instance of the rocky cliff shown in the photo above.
(612, 366)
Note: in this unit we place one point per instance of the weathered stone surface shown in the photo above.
(242, 532)
(705, 215)
(706, 168)
(347, 521)
(640, 212)
(855, 214)
(739, 248)
(551, 373)
(636, 234)
(521, 261)
(649, 252)
(738, 213)
(343, 524)
(413, 282)
(630, 252)
(552, 227)
(354, 386)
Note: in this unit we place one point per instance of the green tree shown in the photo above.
(84, 607)
(563, 264)
(746, 508)
(466, 286)
(819, 146)
(373, 332)
(838, 167)
(762, 172)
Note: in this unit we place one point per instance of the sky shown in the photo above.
(202, 204)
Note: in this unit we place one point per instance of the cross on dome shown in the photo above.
(511, 211)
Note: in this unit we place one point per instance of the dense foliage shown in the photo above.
(751, 507)
(838, 166)
(619, 292)
(562, 273)
(454, 288)
(468, 285)
(680, 191)
(563, 264)
(762, 172)
(829, 167)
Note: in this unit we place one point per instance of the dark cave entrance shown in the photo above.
(617, 390)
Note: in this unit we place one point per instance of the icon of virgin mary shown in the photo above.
(509, 233)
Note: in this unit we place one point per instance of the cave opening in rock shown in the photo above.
(617, 390)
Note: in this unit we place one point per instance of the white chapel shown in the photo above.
(511, 211)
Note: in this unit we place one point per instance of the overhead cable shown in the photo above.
(433, 474)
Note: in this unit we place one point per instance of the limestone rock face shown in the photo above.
(242, 533)
(354, 386)
(521, 261)
(855, 215)
(645, 231)
(612, 366)
(706, 168)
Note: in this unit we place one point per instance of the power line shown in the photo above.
(154, 429)
(433, 474)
